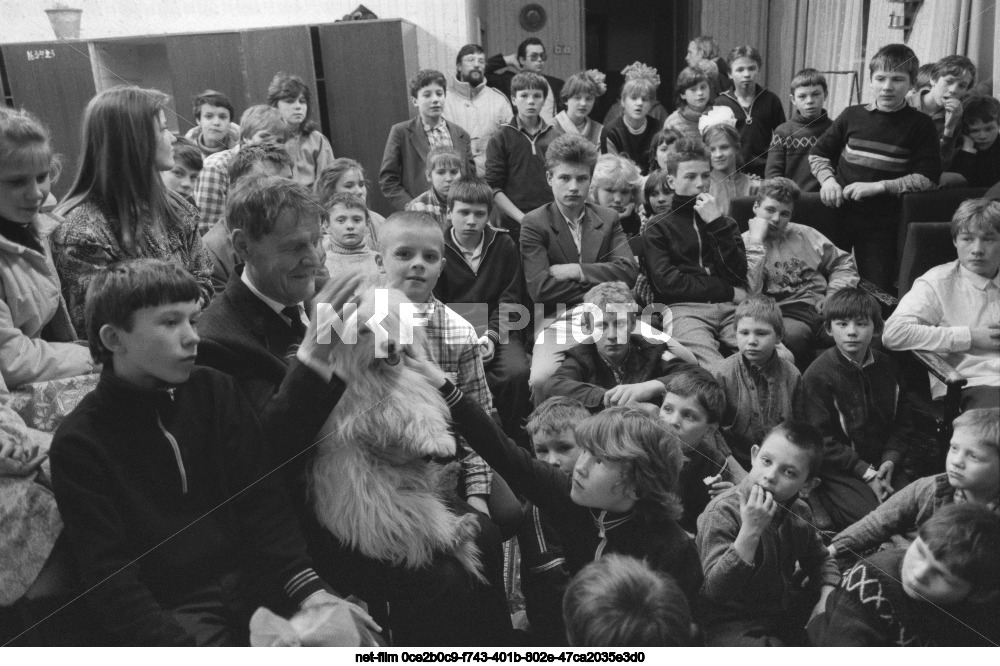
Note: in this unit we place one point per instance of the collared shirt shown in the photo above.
(869, 359)
(473, 256)
(938, 315)
(576, 228)
(452, 343)
(438, 136)
(270, 302)
(212, 188)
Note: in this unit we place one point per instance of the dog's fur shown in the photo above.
(373, 488)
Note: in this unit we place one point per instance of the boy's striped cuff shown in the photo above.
(450, 393)
(304, 584)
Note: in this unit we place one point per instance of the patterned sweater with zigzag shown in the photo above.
(791, 142)
(871, 609)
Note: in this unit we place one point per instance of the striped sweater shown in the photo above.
(865, 145)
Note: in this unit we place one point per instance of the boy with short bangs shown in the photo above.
(788, 155)
(444, 167)
(855, 396)
(159, 445)
(953, 309)
(978, 156)
(942, 590)
(266, 157)
(181, 178)
(951, 78)
(567, 247)
(692, 408)
(620, 497)
(752, 537)
(972, 474)
(515, 155)
(543, 567)
(403, 174)
(483, 267)
(871, 154)
(620, 601)
(762, 389)
(258, 123)
(213, 111)
(758, 111)
(694, 257)
(615, 366)
(344, 242)
(796, 265)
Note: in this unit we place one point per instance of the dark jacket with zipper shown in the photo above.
(585, 533)
(515, 164)
(161, 492)
(499, 280)
(755, 126)
(689, 260)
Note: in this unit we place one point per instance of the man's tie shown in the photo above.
(298, 328)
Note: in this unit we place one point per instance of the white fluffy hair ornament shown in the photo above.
(373, 485)
(717, 115)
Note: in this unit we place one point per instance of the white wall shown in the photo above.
(443, 25)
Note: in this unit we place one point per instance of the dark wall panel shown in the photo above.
(55, 87)
(365, 98)
(267, 52)
(205, 61)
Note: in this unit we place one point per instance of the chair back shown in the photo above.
(928, 244)
(934, 206)
(809, 211)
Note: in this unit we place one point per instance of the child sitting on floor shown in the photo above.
(942, 590)
(855, 396)
(36, 334)
(762, 389)
(972, 474)
(752, 537)
(619, 601)
(620, 497)
(344, 242)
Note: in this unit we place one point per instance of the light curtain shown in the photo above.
(833, 42)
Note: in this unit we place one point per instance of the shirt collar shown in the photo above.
(978, 281)
(574, 223)
(869, 358)
(872, 107)
(439, 127)
(461, 248)
(269, 302)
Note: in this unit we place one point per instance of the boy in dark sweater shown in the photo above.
(159, 473)
(942, 590)
(515, 155)
(695, 258)
(752, 537)
(788, 155)
(856, 397)
(758, 111)
(871, 154)
(483, 267)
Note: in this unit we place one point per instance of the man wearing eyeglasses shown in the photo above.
(530, 57)
(472, 105)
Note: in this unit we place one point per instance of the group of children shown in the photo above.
(682, 473)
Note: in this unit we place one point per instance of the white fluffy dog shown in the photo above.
(374, 488)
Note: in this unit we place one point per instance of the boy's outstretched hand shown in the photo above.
(336, 292)
(831, 193)
(859, 191)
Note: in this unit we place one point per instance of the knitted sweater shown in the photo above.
(341, 260)
(866, 145)
(757, 399)
(515, 164)
(498, 281)
(901, 515)
(755, 125)
(689, 260)
(800, 266)
(161, 491)
(618, 139)
(870, 608)
(585, 533)
(685, 121)
(788, 155)
(862, 412)
(737, 590)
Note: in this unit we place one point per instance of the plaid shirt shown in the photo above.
(212, 188)
(453, 345)
(438, 136)
(429, 202)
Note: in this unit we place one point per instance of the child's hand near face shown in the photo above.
(757, 508)
(707, 207)
(758, 229)
(952, 115)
